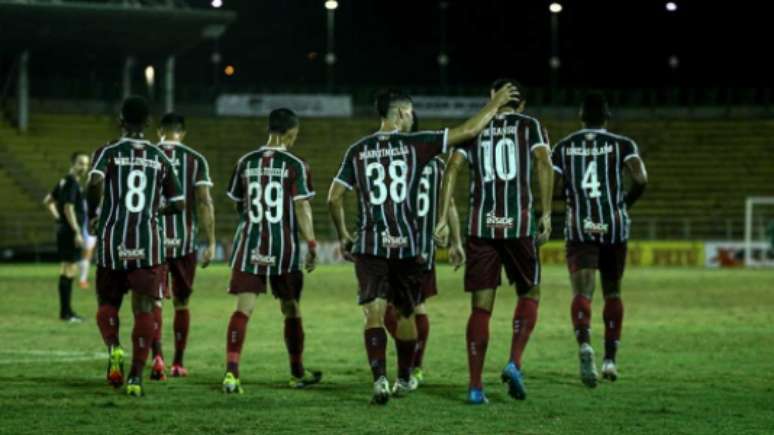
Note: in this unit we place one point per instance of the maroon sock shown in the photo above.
(423, 331)
(376, 348)
(180, 327)
(478, 338)
(580, 313)
(391, 320)
(156, 343)
(142, 334)
(613, 317)
(107, 321)
(405, 352)
(524, 320)
(294, 341)
(235, 338)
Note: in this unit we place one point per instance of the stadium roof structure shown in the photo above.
(159, 28)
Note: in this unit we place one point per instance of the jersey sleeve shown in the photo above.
(202, 172)
(302, 185)
(537, 136)
(99, 162)
(346, 174)
(556, 159)
(235, 189)
(170, 184)
(429, 144)
(629, 150)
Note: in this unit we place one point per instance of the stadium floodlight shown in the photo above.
(674, 62)
(229, 70)
(555, 7)
(671, 6)
(331, 5)
(150, 75)
(217, 3)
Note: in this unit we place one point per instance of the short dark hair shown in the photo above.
(173, 122)
(386, 99)
(135, 112)
(594, 110)
(282, 120)
(74, 156)
(502, 81)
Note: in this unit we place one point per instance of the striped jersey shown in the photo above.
(192, 171)
(267, 182)
(137, 175)
(383, 168)
(500, 162)
(427, 195)
(591, 162)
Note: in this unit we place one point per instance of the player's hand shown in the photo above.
(544, 228)
(78, 240)
(456, 255)
(506, 94)
(345, 246)
(440, 229)
(311, 260)
(208, 255)
(441, 237)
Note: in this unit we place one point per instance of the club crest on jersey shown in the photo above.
(591, 227)
(262, 260)
(172, 243)
(130, 254)
(498, 222)
(393, 242)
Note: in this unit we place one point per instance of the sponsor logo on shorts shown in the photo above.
(498, 222)
(172, 243)
(262, 260)
(130, 254)
(393, 242)
(591, 227)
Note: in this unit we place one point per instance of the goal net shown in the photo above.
(759, 231)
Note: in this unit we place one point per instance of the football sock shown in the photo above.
(391, 320)
(524, 320)
(65, 294)
(405, 352)
(83, 265)
(477, 336)
(180, 327)
(580, 313)
(294, 341)
(613, 317)
(156, 343)
(142, 334)
(235, 338)
(376, 347)
(423, 331)
(107, 321)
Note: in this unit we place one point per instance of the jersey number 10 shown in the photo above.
(504, 160)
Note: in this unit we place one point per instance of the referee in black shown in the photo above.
(65, 203)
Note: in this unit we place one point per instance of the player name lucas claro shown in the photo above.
(591, 227)
(130, 254)
(383, 152)
(595, 151)
(393, 242)
(268, 172)
(262, 260)
(498, 222)
(137, 161)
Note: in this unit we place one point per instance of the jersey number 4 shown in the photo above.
(590, 183)
(269, 198)
(398, 185)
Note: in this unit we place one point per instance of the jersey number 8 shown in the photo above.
(135, 194)
(271, 197)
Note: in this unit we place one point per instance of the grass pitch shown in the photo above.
(696, 357)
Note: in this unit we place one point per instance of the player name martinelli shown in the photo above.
(596, 151)
(383, 152)
(137, 161)
(267, 172)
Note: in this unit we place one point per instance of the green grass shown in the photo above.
(696, 357)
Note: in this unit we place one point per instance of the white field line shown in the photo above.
(14, 357)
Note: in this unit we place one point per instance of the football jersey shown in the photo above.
(68, 191)
(427, 195)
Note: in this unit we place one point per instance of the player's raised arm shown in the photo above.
(545, 172)
(206, 212)
(639, 175)
(447, 189)
(470, 128)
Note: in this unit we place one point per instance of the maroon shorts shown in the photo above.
(609, 258)
(427, 284)
(487, 257)
(286, 287)
(182, 271)
(395, 280)
(113, 284)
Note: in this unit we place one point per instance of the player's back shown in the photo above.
(592, 162)
(267, 182)
(500, 162)
(383, 167)
(137, 175)
(192, 171)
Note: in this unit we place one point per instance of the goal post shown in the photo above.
(756, 249)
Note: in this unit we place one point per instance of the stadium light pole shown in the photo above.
(330, 55)
(443, 57)
(169, 84)
(127, 76)
(23, 91)
(554, 63)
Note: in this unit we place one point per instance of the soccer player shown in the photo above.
(129, 177)
(180, 233)
(65, 203)
(383, 168)
(591, 163)
(272, 188)
(426, 194)
(501, 230)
